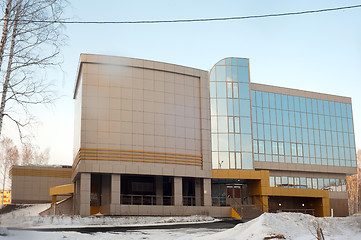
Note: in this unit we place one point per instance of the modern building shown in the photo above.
(154, 138)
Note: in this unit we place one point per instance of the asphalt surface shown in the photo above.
(223, 224)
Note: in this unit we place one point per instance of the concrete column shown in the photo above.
(207, 188)
(178, 191)
(115, 189)
(198, 191)
(159, 189)
(85, 194)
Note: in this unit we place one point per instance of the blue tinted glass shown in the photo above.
(245, 109)
(320, 106)
(265, 100)
(230, 107)
(236, 107)
(293, 134)
(340, 139)
(237, 142)
(284, 102)
(253, 94)
(303, 104)
(311, 138)
(220, 73)
(255, 146)
(279, 117)
(231, 142)
(244, 92)
(247, 162)
(234, 61)
(214, 142)
(222, 124)
(228, 61)
(273, 116)
(338, 109)
(222, 62)
(286, 132)
(314, 106)
(242, 62)
(223, 142)
(234, 73)
(304, 135)
(346, 140)
(236, 124)
(246, 142)
(229, 76)
(350, 125)
(290, 103)
(292, 119)
(332, 108)
(323, 137)
(352, 140)
(243, 74)
(272, 100)
(316, 134)
(230, 124)
(268, 147)
(245, 125)
(333, 123)
(349, 110)
(212, 89)
(321, 121)
(266, 116)
(309, 105)
(278, 101)
(343, 110)
(339, 124)
(259, 98)
(221, 90)
(309, 120)
(261, 146)
(327, 123)
(306, 151)
(334, 139)
(298, 135)
(267, 132)
(280, 133)
(344, 125)
(254, 114)
(297, 103)
(260, 131)
(326, 107)
(315, 121)
(222, 107)
(304, 120)
(285, 118)
(274, 132)
(213, 107)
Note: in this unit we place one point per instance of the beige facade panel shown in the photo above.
(300, 93)
(31, 184)
(131, 111)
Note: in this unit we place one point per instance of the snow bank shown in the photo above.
(29, 218)
(296, 226)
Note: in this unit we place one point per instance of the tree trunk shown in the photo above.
(8, 71)
(5, 31)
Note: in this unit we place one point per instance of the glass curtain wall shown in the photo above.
(231, 115)
(302, 130)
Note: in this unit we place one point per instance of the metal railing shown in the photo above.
(305, 211)
(131, 199)
(220, 201)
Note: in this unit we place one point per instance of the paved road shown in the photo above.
(223, 224)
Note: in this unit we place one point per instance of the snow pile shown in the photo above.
(3, 232)
(29, 218)
(296, 226)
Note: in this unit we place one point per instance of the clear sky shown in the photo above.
(316, 52)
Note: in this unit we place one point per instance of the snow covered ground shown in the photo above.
(295, 226)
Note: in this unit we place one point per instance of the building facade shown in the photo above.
(154, 138)
(305, 139)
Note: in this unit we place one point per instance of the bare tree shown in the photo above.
(9, 156)
(30, 42)
(32, 154)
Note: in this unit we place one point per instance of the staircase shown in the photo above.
(248, 211)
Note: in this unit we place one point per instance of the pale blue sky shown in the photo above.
(315, 52)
